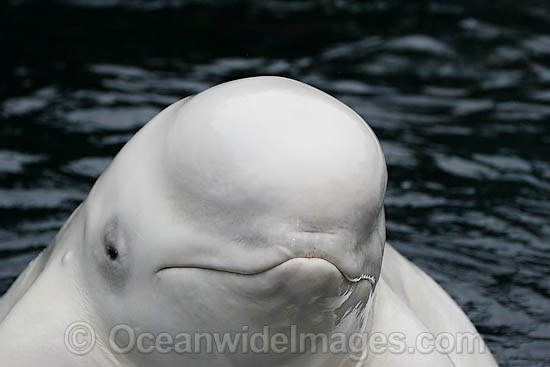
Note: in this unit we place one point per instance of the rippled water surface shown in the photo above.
(457, 92)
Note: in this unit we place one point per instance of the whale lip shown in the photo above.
(351, 279)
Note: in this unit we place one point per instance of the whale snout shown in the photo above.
(298, 291)
(257, 246)
(320, 262)
(351, 256)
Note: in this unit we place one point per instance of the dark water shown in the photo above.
(458, 93)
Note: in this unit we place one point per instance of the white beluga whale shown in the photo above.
(242, 226)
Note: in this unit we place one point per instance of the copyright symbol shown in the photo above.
(79, 338)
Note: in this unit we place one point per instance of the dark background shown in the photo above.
(457, 92)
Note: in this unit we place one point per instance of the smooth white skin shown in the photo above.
(256, 202)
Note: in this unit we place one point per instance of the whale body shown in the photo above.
(254, 208)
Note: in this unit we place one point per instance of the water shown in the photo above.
(458, 93)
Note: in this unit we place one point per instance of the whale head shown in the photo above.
(256, 203)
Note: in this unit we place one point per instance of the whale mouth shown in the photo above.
(351, 279)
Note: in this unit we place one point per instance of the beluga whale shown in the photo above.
(241, 226)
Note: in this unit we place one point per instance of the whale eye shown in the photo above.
(110, 242)
(111, 251)
(112, 255)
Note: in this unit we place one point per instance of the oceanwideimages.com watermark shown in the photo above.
(81, 338)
